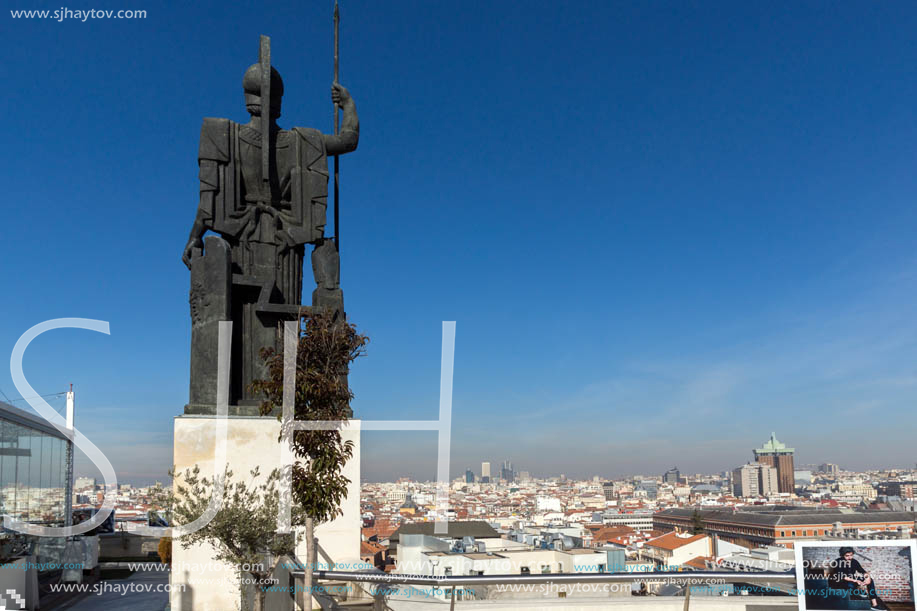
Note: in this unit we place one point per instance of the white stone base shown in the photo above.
(199, 583)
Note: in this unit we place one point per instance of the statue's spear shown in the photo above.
(264, 58)
(337, 218)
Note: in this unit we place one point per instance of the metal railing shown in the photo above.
(680, 577)
(698, 578)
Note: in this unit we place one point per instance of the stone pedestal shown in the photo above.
(200, 583)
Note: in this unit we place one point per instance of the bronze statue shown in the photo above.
(265, 204)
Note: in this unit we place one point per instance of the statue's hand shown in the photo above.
(189, 247)
(339, 94)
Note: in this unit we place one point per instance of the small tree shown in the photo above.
(244, 530)
(697, 523)
(325, 351)
(165, 550)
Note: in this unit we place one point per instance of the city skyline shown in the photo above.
(584, 474)
(546, 476)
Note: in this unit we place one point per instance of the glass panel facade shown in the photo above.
(8, 439)
(32, 473)
(23, 483)
(58, 473)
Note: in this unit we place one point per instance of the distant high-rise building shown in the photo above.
(754, 479)
(828, 468)
(485, 470)
(780, 457)
(507, 472)
(469, 476)
(672, 476)
(608, 488)
(524, 476)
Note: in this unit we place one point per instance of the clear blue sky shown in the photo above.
(664, 229)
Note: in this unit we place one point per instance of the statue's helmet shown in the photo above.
(251, 84)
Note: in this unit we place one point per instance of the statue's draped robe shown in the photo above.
(266, 230)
